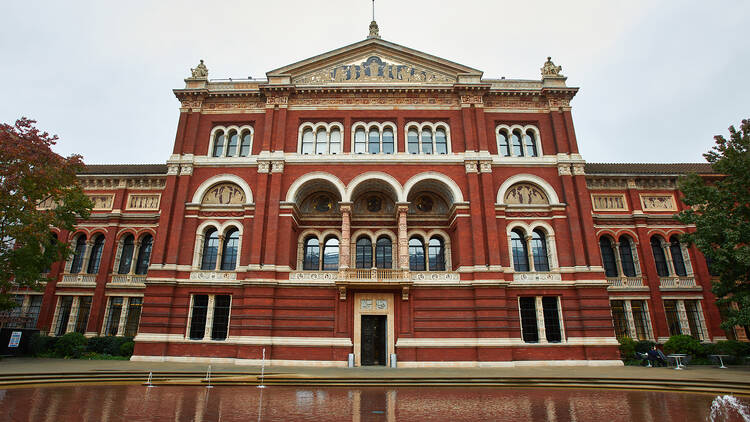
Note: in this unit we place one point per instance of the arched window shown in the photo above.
(383, 252)
(219, 139)
(539, 250)
(608, 257)
(321, 142)
(436, 254)
(331, 254)
(247, 141)
(677, 259)
(426, 141)
(144, 254)
(364, 253)
(388, 144)
(335, 144)
(659, 257)
(307, 141)
(626, 257)
(232, 146)
(413, 139)
(374, 141)
(360, 141)
(516, 141)
(520, 254)
(96, 255)
(530, 143)
(441, 141)
(126, 256)
(80, 250)
(311, 260)
(416, 254)
(210, 249)
(229, 250)
(503, 147)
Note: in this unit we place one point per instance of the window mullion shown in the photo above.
(208, 331)
(540, 327)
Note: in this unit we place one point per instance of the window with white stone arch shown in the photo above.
(217, 246)
(532, 247)
(318, 250)
(231, 141)
(321, 138)
(374, 138)
(435, 247)
(428, 138)
(133, 253)
(518, 141)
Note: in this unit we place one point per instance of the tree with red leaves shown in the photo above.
(38, 191)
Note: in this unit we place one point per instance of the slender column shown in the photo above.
(540, 320)
(682, 313)
(618, 260)
(220, 252)
(630, 320)
(529, 253)
(86, 257)
(346, 227)
(403, 241)
(53, 326)
(668, 258)
(209, 318)
(123, 315)
(73, 315)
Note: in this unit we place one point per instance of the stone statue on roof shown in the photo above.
(549, 69)
(200, 71)
(374, 30)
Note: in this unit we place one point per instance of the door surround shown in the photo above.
(373, 304)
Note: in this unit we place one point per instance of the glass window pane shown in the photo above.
(307, 141)
(388, 146)
(359, 141)
(520, 255)
(84, 307)
(619, 319)
(374, 144)
(539, 251)
(436, 253)
(126, 256)
(210, 250)
(335, 147)
(441, 142)
(321, 142)
(80, 250)
(516, 141)
(229, 252)
(331, 254)
(413, 138)
(673, 318)
(312, 254)
(198, 320)
(530, 140)
(626, 257)
(113, 316)
(640, 319)
(144, 254)
(247, 140)
(416, 254)
(427, 141)
(63, 314)
(219, 144)
(96, 255)
(503, 147)
(220, 326)
(232, 147)
(529, 328)
(364, 253)
(35, 305)
(551, 319)
(677, 258)
(134, 316)
(384, 252)
(659, 257)
(608, 257)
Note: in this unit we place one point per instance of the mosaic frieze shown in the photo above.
(373, 99)
(606, 183)
(609, 202)
(526, 194)
(224, 194)
(143, 202)
(373, 70)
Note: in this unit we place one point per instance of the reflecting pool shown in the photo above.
(138, 403)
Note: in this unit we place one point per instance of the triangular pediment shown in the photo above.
(374, 61)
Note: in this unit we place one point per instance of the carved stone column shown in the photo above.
(529, 253)
(346, 228)
(618, 260)
(403, 241)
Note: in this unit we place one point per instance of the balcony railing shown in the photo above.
(625, 282)
(79, 278)
(128, 279)
(677, 282)
(376, 275)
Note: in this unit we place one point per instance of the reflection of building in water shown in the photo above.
(383, 202)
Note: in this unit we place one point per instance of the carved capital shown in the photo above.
(173, 169)
(342, 293)
(277, 167)
(264, 166)
(186, 170)
(631, 184)
(279, 100)
(485, 166)
(564, 170)
(405, 293)
(578, 170)
(471, 166)
(471, 99)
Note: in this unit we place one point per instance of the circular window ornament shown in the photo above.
(323, 203)
(425, 203)
(374, 204)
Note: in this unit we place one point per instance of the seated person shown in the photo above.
(656, 356)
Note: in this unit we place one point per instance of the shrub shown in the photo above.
(41, 344)
(644, 346)
(736, 349)
(683, 344)
(126, 349)
(107, 345)
(627, 347)
(71, 345)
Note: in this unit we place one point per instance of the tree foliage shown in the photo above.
(31, 174)
(720, 211)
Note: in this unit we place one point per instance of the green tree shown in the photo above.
(720, 211)
(32, 175)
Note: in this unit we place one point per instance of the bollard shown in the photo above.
(351, 360)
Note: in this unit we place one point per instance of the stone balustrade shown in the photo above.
(78, 279)
(128, 279)
(677, 282)
(625, 282)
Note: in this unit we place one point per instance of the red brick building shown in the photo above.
(379, 201)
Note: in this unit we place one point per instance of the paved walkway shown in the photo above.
(10, 366)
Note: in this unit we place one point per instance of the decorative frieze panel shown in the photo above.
(435, 276)
(471, 99)
(533, 277)
(373, 70)
(234, 105)
(213, 275)
(314, 276)
(102, 202)
(658, 203)
(224, 194)
(144, 202)
(609, 202)
(116, 183)
(525, 193)
(372, 99)
(515, 102)
(664, 184)
(606, 183)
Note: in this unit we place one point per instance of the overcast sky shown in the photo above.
(658, 78)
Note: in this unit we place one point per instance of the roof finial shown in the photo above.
(374, 30)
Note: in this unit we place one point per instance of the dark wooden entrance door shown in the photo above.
(373, 339)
